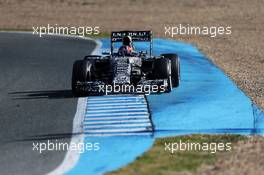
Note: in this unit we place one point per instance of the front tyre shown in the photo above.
(162, 70)
(82, 71)
(175, 68)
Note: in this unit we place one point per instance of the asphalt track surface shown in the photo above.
(36, 103)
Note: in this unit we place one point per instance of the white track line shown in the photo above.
(116, 109)
(71, 158)
(115, 126)
(115, 121)
(117, 95)
(113, 118)
(118, 114)
(113, 98)
(119, 134)
(115, 101)
(122, 107)
(140, 129)
(91, 111)
(115, 104)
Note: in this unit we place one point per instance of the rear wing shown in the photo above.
(137, 36)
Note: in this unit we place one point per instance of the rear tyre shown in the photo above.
(82, 71)
(175, 68)
(162, 70)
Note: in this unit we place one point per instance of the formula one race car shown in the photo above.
(126, 71)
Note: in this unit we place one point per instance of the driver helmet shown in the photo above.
(127, 41)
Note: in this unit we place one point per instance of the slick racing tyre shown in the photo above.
(82, 71)
(162, 70)
(175, 68)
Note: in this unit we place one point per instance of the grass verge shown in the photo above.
(157, 161)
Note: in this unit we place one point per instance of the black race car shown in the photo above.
(136, 72)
